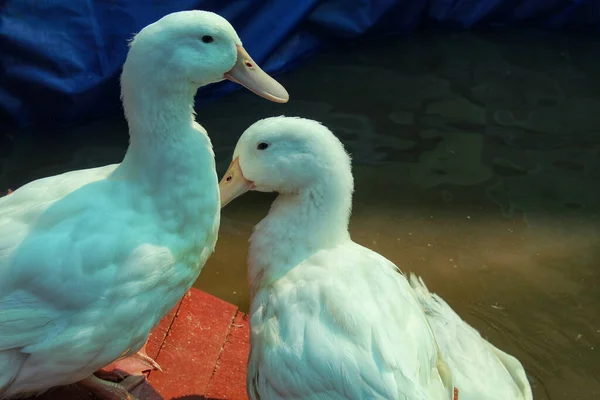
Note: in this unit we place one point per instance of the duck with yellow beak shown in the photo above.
(329, 318)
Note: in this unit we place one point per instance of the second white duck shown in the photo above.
(331, 319)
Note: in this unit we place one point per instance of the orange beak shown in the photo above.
(248, 74)
(233, 184)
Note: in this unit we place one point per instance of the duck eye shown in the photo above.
(207, 39)
(262, 146)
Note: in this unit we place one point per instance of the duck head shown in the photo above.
(190, 49)
(288, 156)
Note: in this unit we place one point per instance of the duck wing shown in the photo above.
(344, 324)
(24, 316)
(481, 371)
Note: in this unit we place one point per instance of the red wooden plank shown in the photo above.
(193, 345)
(229, 379)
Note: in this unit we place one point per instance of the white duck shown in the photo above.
(331, 319)
(91, 260)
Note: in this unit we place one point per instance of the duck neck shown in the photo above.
(297, 226)
(170, 156)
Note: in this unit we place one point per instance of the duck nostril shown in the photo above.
(228, 179)
(249, 64)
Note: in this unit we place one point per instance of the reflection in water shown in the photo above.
(477, 162)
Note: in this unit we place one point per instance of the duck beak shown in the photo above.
(248, 74)
(233, 184)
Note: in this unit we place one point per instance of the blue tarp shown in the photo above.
(60, 59)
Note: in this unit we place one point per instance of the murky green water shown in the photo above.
(477, 166)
